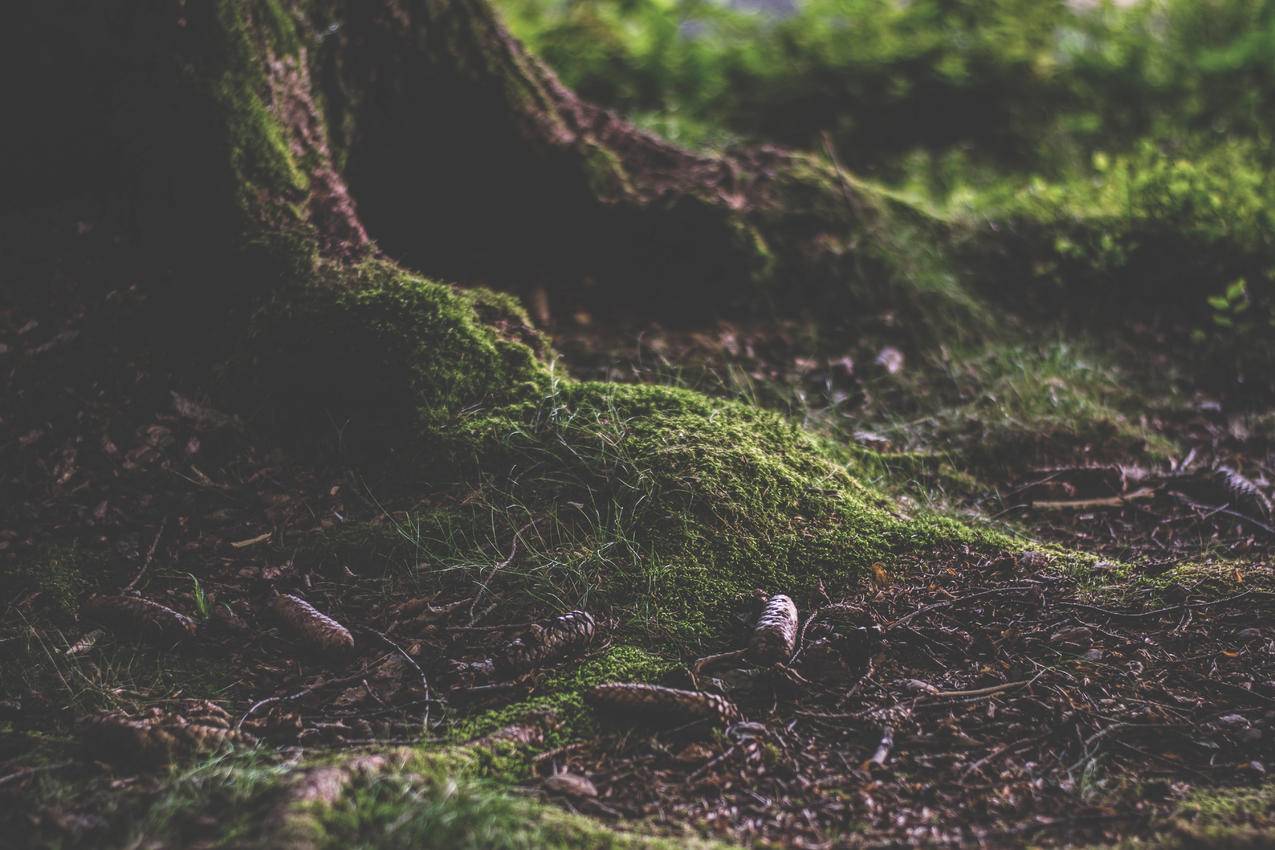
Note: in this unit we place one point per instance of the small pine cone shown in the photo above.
(775, 635)
(660, 705)
(141, 617)
(561, 637)
(318, 630)
(469, 672)
(1243, 493)
(118, 739)
(198, 738)
(205, 713)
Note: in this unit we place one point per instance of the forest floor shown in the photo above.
(1029, 698)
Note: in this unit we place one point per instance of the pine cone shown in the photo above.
(775, 635)
(1243, 493)
(204, 713)
(561, 637)
(198, 738)
(660, 705)
(142, 617)
(119, 739)
(306, 623)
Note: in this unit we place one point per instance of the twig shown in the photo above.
(708, 660)
(501, 627)
(1140, 615)
(988, 691)
(995, 753)
(1104, 502)
(304, 692)
(810, 621)
(31, 771)
(996, 591)
(410, 660)
(883, 748)
(712, 763)
(1263, 526)
(150, 556)
(485, 583)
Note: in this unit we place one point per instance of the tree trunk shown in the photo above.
(263, 122)
(279, 158)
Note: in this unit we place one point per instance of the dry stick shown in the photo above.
(991, 690)
(907, 618)
(1139, 615)
(150, 556)
(428, 700)
(708, 660)
(501, 627)
(1106, 502)
(31, 771)
(883, 748)
(995, 753)
(1263, 526)
(810, 621)
(354, 677)
(1226, 509)
(485, 583)
(712, 763)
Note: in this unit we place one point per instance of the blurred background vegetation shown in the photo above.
(1132, 138)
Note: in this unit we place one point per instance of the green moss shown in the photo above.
(1214, 819)
(399, 354)
(259, 154)
(60, 572)
(667, 507)
(1009, 405)
(561, 694)
(431, 804)
(456, 814)
(284, 38)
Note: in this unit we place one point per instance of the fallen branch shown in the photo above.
(883, 748)
(1103, 502)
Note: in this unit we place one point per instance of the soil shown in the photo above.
(956, 701)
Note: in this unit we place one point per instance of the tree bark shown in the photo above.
(284, 162)
(469, 160)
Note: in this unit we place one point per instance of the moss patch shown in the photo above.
(562, 694)
(711, 499)
(60, 572)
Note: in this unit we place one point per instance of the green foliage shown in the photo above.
(1010, 405)
(561, 694)
(1189, 232)
(390, 348)
(203, 609)
(704, 501)
(1022, 84)
(876, 73)
(60, 572)
(438, 806)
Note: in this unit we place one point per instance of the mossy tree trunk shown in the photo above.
(258, 126)
(285, 161)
